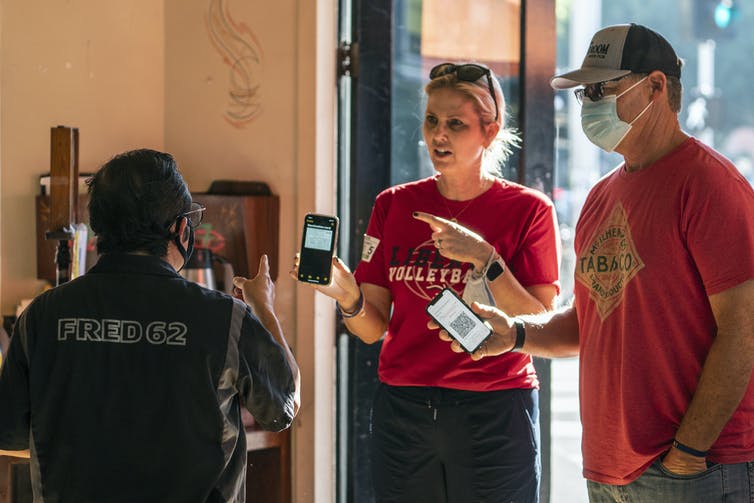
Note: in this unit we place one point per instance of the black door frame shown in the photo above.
(368, 172)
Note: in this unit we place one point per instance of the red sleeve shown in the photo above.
(719, 219)
(537, 260)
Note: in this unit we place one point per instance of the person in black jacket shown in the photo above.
(127, 383)
(4, 341)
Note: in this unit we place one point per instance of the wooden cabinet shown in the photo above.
(241, 229)
(15, 481)
(268, 472)
(268, 466)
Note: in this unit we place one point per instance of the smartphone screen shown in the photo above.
(317, 249)
(456, 318)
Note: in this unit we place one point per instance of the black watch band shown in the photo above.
(495, 269)
(520, 335)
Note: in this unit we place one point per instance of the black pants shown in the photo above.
(435, 445)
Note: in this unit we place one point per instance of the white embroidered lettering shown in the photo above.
(121, 331)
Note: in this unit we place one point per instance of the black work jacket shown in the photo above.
(126, 384)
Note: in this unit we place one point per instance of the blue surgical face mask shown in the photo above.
(600, 121)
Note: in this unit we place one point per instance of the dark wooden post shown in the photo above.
(64, 194)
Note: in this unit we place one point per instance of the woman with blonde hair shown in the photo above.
(446, 428)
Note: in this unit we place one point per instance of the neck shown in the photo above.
(656, 140)
(173, 256)
(460, 188)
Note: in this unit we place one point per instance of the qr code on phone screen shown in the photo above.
(462, 325)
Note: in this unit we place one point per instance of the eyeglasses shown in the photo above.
(466, 73)
(195, 214)
(594, 92)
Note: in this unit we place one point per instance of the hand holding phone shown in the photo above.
(456, 318)
(317, 249)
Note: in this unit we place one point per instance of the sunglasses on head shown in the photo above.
(467, 73)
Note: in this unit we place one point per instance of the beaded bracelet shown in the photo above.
(357, 310)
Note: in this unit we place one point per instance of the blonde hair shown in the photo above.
(478, 92)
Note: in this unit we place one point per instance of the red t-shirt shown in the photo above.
(651, 246)
(398, 254)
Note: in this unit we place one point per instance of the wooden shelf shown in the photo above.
(15, 479)
(259, 439)
(238, 228)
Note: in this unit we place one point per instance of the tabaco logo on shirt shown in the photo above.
(609, 262)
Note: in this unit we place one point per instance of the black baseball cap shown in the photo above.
(621, 49)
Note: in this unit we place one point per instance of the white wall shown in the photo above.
(79, 63)
(145, 73)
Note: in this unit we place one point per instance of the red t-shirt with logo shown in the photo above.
(398, 254)
(651, 246)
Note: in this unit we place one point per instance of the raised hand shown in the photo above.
(259, 291)
(455, 241)
(343, 287)
(501, 341)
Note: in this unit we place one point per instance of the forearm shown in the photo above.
(726, 372)
(366, 311)
(270, 321)
(510, 296)
(549, 335)
(513, 299)
(552, 335)
(369, 325)
(723, 382)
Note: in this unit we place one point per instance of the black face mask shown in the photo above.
(185, 252)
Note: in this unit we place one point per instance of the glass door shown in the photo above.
(428, 32)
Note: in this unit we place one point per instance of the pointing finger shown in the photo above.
(436, 223)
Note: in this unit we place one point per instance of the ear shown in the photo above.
(180, 227)
(490, 133)
(658, 82)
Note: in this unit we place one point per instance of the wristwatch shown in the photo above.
(496, 268)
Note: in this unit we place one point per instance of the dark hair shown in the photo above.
(675, 91)
(134, 199)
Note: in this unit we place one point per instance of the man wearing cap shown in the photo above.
(663, 313)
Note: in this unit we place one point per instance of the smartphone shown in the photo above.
(317, 249)
(456, 318)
